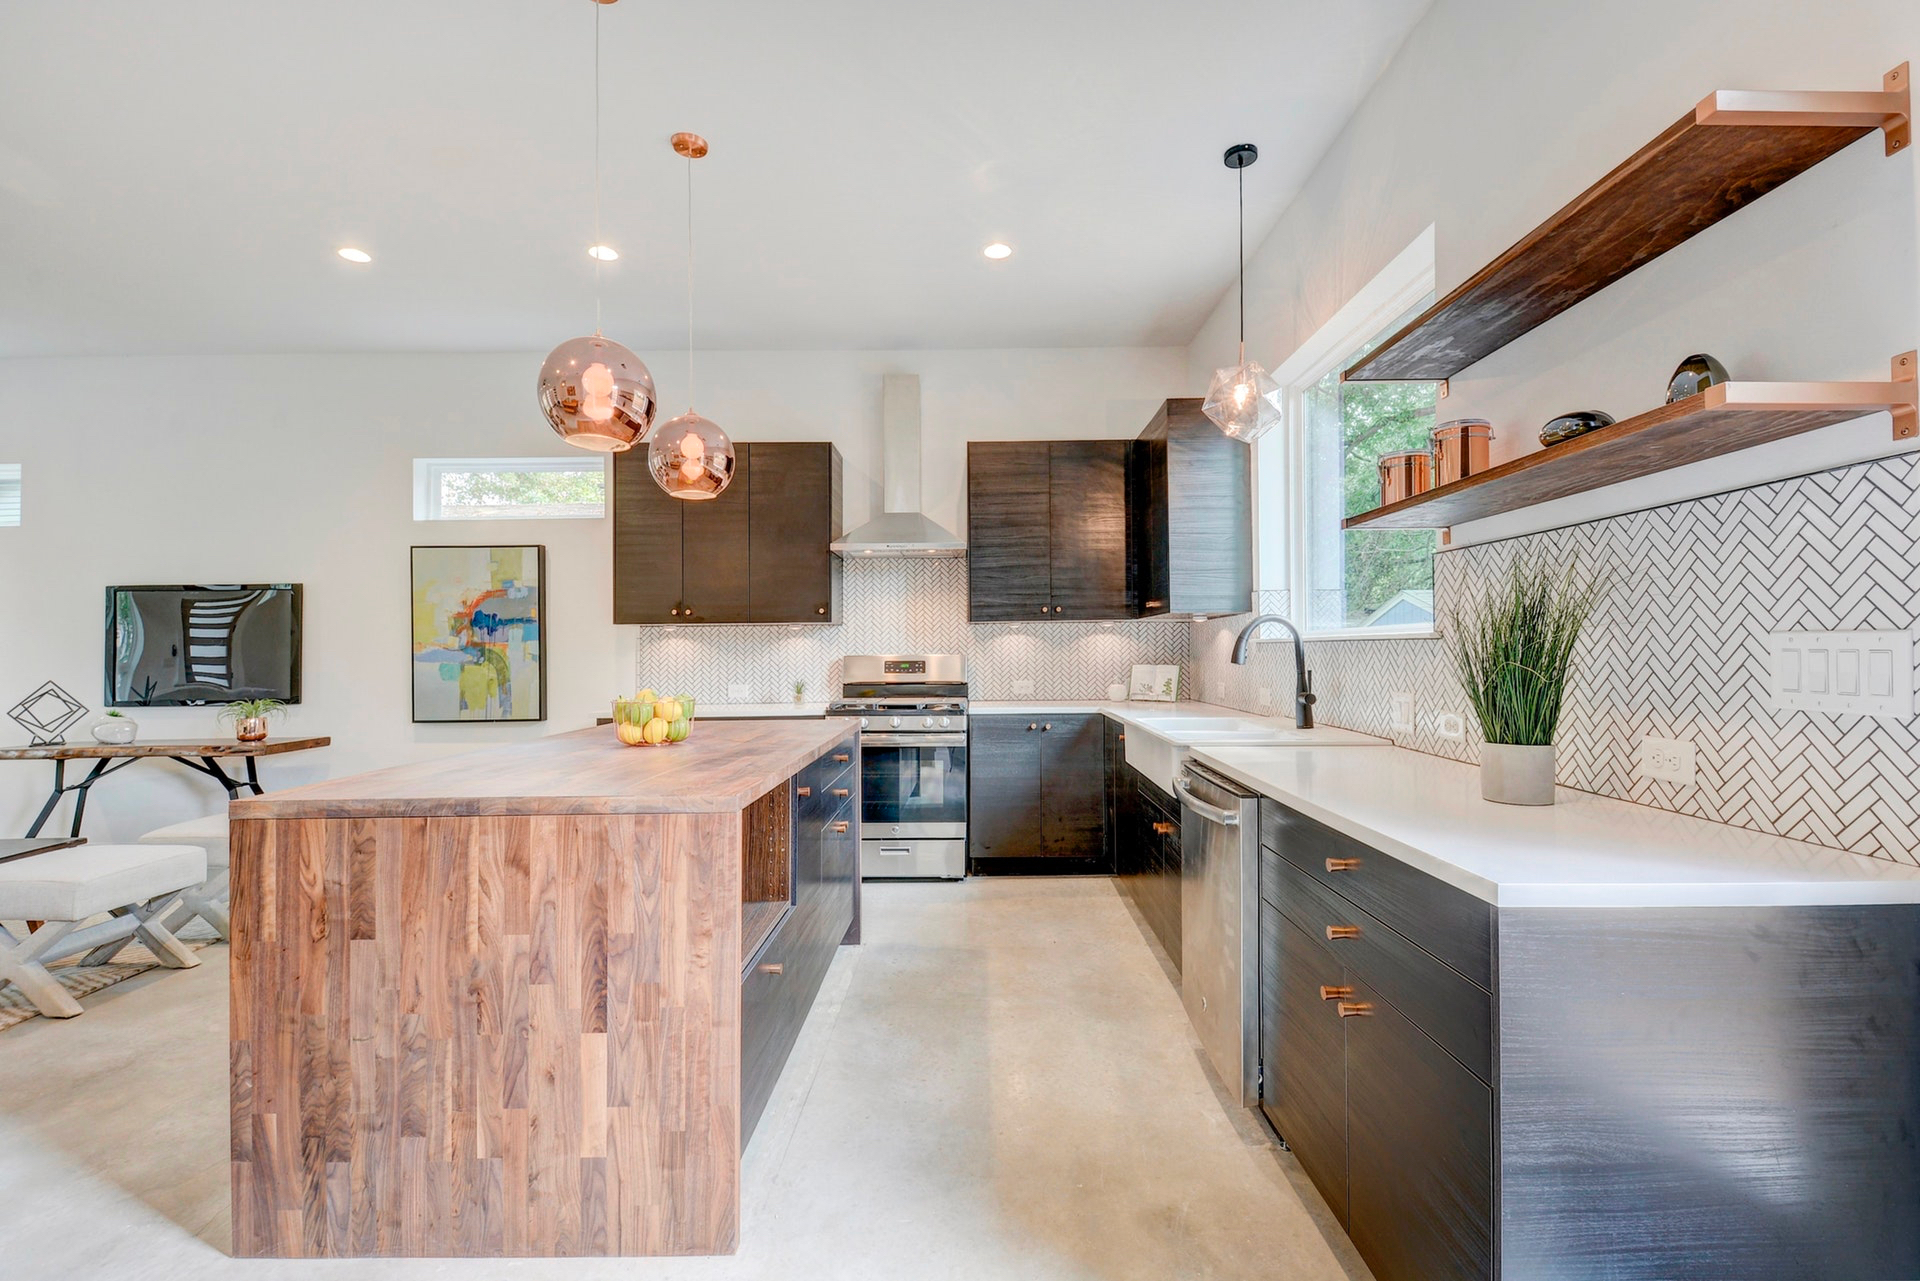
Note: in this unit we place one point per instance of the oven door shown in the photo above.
(913, 785)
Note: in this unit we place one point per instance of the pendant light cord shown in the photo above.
(597, 242)
(689, 284)
(1240, 176)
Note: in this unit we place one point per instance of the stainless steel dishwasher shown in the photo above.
(1219, 923)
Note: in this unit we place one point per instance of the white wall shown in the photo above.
(1496, 112)
(298, 468)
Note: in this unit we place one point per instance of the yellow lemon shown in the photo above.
(655, 731)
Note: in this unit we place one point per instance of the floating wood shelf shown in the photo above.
(1733, 148)
(1731, 416)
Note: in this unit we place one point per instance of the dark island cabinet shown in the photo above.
(756, 554)
(1036, 795)
(1047, 530)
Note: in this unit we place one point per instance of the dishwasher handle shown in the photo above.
(1212, 813)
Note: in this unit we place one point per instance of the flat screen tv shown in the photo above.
(183, 646)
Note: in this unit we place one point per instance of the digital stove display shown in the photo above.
(905, 667)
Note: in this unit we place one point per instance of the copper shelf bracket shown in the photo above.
(1906, 416)
(1890, 110)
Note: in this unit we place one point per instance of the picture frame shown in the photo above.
(1154, 683)
(478, 633)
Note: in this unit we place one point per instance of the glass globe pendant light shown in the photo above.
(689, 456)
(1243, 400)
(594, 393)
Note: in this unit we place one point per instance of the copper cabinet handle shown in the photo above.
(1334, 993)
(839, 827)
(1353, 1009)
(1033, 725)
(1058, 608)
(803, 791)
(1046, 727)
(1342, 864)
(821, 609)
(675, 611)
(771, 967)
(840, 791)
(1163, 829)
(841, 756)
(1343, 931)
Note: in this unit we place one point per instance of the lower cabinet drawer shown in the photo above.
(772, 1008)
(1456, 1014)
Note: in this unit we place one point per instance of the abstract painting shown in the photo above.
(478, 649)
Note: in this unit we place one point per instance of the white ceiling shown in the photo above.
(174, 177)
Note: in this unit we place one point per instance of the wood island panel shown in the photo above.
(510, 1034)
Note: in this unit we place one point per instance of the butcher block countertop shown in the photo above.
(721, 767)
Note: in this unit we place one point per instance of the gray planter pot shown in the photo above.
(1513, 775)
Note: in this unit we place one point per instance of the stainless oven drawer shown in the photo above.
(896, 860)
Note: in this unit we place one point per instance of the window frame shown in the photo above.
(13, 477)
(1282, 537)
(428, 472)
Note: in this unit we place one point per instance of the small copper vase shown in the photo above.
(250, 729)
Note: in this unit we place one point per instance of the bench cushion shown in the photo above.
(209, 832)
(73, 884)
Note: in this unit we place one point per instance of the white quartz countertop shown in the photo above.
(758, 711)
(1583, 851)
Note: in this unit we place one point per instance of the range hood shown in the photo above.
(901, 529)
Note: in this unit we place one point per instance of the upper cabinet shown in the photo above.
(1192, 509)
(756, 554)
(1047, 530)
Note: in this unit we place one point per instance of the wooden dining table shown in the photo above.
(199, 755)
(11, 849)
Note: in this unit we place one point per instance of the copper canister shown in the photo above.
(1461, 448)
(1405, 474)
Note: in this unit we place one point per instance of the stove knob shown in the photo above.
(926, 722)
(863, 722)
(945, 721)
(895, 722)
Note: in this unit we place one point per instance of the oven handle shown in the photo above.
(913, 740)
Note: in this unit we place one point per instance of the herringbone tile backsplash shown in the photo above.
(1678, 652)
(903, 606)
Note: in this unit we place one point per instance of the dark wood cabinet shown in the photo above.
(1047, 530)
(1190, 498)
(1037, 795)
(1303, 1048)
(756, 554)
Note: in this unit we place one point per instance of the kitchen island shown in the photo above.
(529, 1000)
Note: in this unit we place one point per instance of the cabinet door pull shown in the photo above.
(1343, 931)
(842, 757)
(1342, 864)
(1164, 829)
(1033, 725)
(840, 791)
(803, 791)
(1354, 1009)
(820, 610)
(840, 827)
(675, 611)
(1058, 608)
(1334, 993)
(771, 967)
(1046, 727)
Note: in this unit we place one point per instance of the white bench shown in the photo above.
(208, 900)
(136, 885)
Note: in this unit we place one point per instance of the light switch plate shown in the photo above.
(1846, 673)
(1669, 759)
(1023, 689)
(1266, 699)
(1219, 691)
(1402, 701)
(740, 693)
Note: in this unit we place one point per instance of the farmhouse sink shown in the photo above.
(1157, 746)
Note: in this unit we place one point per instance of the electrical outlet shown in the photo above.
(1402, 711)
(1023, 689)
(1670, 759)
(1449, 725)
(1266, 699)
(1219, 691)
(740, 693)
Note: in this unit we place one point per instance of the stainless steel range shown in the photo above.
(913, 762)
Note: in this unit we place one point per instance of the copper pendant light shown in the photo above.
(690, 456)
(594, 393)
(1243, 400)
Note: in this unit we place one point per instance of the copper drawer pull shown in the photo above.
(1163, 829)
(1352, 1009)
(1334, 993)
(771, 967)
(803, 791)
(1343, 931)
(1342, 864)
(839, 827)
(841, 791)
(841, 756)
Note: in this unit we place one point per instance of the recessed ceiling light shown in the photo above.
(355, 255)
(605, 253)
(997, 251)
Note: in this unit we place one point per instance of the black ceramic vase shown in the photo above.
(1694, 375)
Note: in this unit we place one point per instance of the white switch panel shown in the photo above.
(1402, 711)
(737, 693)
(1671, 759)
(1850, 673)
(1023, 689)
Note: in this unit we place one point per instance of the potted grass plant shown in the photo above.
(1513, 649)
(249, 717)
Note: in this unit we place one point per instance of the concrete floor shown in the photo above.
(1000, 1083)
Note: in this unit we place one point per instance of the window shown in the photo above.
(9, 493)
(510, 488)
(1322, 466)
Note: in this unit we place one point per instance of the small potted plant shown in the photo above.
(115, 728)
(1513, 650)
(249, 717)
